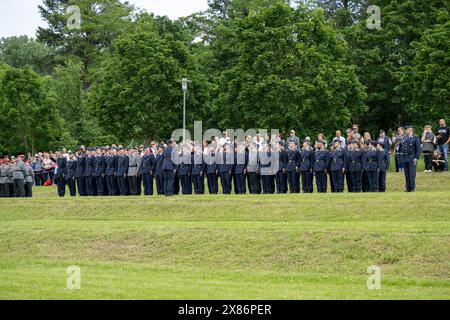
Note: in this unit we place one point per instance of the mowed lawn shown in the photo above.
(298, 246)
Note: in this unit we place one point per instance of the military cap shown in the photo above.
(409, 127)
(320, 141)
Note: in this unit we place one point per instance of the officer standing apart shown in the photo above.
(410, 150)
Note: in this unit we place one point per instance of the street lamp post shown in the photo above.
(184, 87)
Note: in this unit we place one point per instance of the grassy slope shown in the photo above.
(212, 247)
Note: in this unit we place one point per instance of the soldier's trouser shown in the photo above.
(133, 183)
(382, 181)
(2, 190)
(61, 187)
(28, 189)
(235, 186)
(123, 185)
(99, 182)
(186, 184)
(364, 181)
(307, 181)
(348, 178)
(331, 181)
(254, 183)
(11, 189)
(213, 186)
(168, 182)
(139, 185)
(268, 184)
(321, 181)
(72, 187)
(225, 180)
(356, 184)
(88, 185)
(80, 186)
(410, 175)
(160, 184)
(176, 185)
(281, 180)
(372, 176)
(147, 179)
(19, 188)
(293, 181)
(240, 183)
(338, 181)
(116, 186)
(111, 185)
(199, 183)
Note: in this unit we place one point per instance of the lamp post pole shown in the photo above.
(184, 87)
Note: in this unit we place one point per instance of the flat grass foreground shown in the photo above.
(230, 247)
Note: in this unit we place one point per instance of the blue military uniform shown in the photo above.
(70, 172)
(61, 163)
(110, 173)
(88, 172)
(169, 170)
(355, 165)
(99, 174)
(159, 174)
(267, 174)
(147, 170)
(384, 168)
(372, 163)
(409, 151)
(338, 159)
(198, 173)
(240, 170)
(79, 175)
(211, 173)
(280, 177)
(184, 174)
(293, 158)
(122, 170)
(321, 163)
(306, 169)
(225, 170)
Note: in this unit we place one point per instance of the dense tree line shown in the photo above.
(312, 65)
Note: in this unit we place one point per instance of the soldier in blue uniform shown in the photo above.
(280, 176)
(226, 168)
(169, 169)
(321, 163)
(211, 169)
(372, 163)
(147, 170)
(293, 158)
(111, 171)
(266, 170)
(240, 168)
(198, 170)
(384, 166)
(61, 162)
(70, 172)
(99, 172)
(184, 170)
(306, 166)
(88, 171)
(122, 171)
(410, 150)
(159, 171)
(79, 172)
(253, 170)
(354, 166)
(338, 159)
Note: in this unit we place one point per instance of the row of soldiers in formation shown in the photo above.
(16, 177)
(121, 171)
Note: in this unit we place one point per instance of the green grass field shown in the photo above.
(230, 247)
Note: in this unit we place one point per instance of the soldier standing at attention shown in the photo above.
(280, 175)
(88, 171)
(211, 169)
(355, 165)
(198, 170)
(292, 156)
(169, 169)
(71, 169)
(111, 170)
(4, 180)
(321, 163)
(99, 172)
(159, 170)
(337, 166)
(410, 150)
(19, 177)
(254, 181)
(184, 169)
(226, 168)
(133, 172)
(306, 167)
(266, 170)
(122, 170)
(29, 180)
(61, 163)
(372, 163)
(80, 162)
(146, 171)
(384, 166)
(10, 173)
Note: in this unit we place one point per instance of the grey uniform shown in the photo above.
(133, 171)
(29, 181)
(4, 181)
(19, 179)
